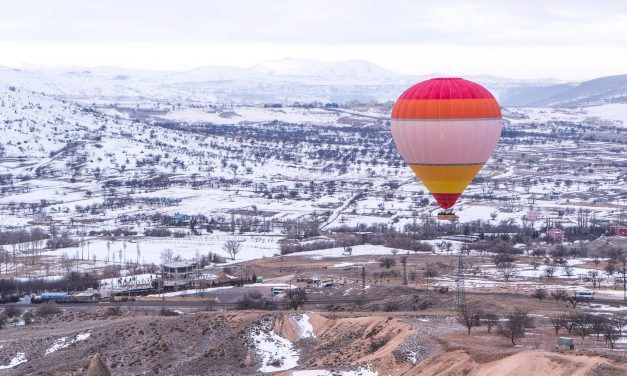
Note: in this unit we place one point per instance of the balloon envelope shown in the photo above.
(446, 129)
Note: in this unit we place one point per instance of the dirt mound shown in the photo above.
(342, 341)
(521, 364)
(97, 367)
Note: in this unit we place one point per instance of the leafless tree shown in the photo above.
(430, 273)
(232, 248)
(557, 323)
(515, 325)
(539, 293)
(549, 272)
(573, 300)
(296, 297)
(387, 262)
(469, 317)
(507, 271)
(611, 335)
(568, 321)
(490, 319)
(559, 294)
(66, 262)
(583, 324)
(167, 255)
(593, 275)
(568, 270)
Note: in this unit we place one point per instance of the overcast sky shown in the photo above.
(572, 40)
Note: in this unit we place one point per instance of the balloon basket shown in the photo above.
(447, 216)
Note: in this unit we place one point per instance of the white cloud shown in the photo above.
(564, 39)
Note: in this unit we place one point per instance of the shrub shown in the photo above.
(167, 312)
(47, 309)
(387, 262)
(112, 311)
(391, 307)
(12, 311)
(157, 232)
(27, 317)
(254, 300)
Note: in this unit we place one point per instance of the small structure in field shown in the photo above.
(555, 234)
(555, 195)
(533, 215)
(565, 343)
(180, 220)
(619, 230)
(42, 217)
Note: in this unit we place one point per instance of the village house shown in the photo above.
(555, 234)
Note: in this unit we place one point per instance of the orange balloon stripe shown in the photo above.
(446, 109)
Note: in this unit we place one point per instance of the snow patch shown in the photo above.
(18, 359)
(303, 326)
(63, 342)
(363, 371)
(276, 352)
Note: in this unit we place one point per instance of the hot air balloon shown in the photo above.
(446, 129)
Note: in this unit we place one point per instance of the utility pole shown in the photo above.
(363, 280)
(404, 262)
(624, 279)
(461, 288)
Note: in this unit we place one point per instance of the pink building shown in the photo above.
(556, 235)
(533, 215)
(619, 230)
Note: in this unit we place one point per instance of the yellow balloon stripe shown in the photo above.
(446, 179)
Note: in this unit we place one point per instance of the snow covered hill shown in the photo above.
(284, 81)
(611, 89)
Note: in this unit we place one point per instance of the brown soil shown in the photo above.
(520, 364)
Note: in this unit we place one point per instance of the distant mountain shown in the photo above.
(343, 71)
(611, 89)
(290, 80)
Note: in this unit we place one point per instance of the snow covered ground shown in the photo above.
(276, 353)
(18, 359)
(64, 342)
(363, 371)
(303, 326)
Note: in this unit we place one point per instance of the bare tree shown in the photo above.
(430, 273)
(539, 293)
(297, 297)
(568, 270)
(559, 294)
(568, 321)
(515, 325)
(573, 301)
(583, 324)
(549, 272)
(507, 271)
(490, 319)
(557, 322)
(593, 275)
(611, 335)
(232, 248)
(66, 262)
(469, 317)
(387, 262)
(166, 255)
